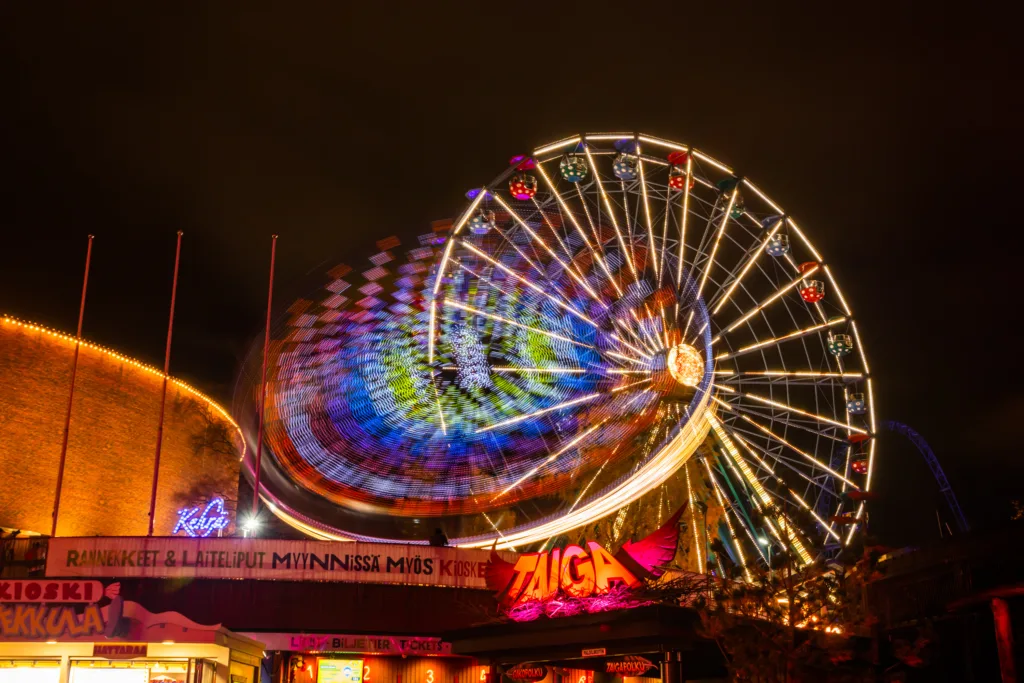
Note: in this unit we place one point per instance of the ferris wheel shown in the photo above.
(610, 311)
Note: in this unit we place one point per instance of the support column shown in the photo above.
(670, 672)
(1004, 639)
(65, 668)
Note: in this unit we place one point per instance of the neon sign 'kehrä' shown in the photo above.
(198, 524)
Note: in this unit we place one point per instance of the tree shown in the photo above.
(796, 623)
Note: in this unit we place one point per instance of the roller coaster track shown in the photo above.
(933, 464)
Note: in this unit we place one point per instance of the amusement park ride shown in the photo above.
(614, 316)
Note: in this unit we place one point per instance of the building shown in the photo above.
(109, 471)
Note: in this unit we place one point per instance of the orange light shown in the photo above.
(129, 361)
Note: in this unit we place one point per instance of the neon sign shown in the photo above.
(629, 666)
(527, 672)
(555, 582)
(573, 571)
(200, 522)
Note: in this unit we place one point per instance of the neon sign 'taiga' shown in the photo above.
(200, 521)
(578, 572)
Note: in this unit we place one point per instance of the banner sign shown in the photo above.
(629, 666)
(120, 650)
(528, 672)
(379, 645)
(22, 590)
(49, 622)
(254, 558)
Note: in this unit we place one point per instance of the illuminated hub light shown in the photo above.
(686, 365)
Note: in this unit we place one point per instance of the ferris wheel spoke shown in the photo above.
(598, 241)
(629, 224)
(778, 340)
(652, 248)
(775, 296)
(560, 406)
(807, 426)
(664, 235)
(439, 276)
(525, 281)
(806, 456)
(515, 370)
(629, 359)
(785, 462)
(701, 566)
(551, 458)
(803, 503)
(654, 343)
(626, 253)
(534, 236)
(579, 229)
(636, 337)
(537, 269)
(710, 262)
(751, 260)
(846, 377)
(740, 468)
(782, 521)
(793, 409)
(683, 220)
(728, 521)
(629, 346)
(558, 238)
(793, 494)
(537, 413)
(739, 512)
(508, 321)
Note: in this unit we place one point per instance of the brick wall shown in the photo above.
(112, 442)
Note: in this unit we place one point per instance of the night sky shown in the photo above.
(892, 137)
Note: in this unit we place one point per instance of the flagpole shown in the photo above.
(71, 392)
(263, 382)
(163, 395)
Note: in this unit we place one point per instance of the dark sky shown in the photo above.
(892, 136)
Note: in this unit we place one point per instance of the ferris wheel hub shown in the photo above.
(685, 364)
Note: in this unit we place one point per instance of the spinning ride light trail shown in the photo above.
(599, 314)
